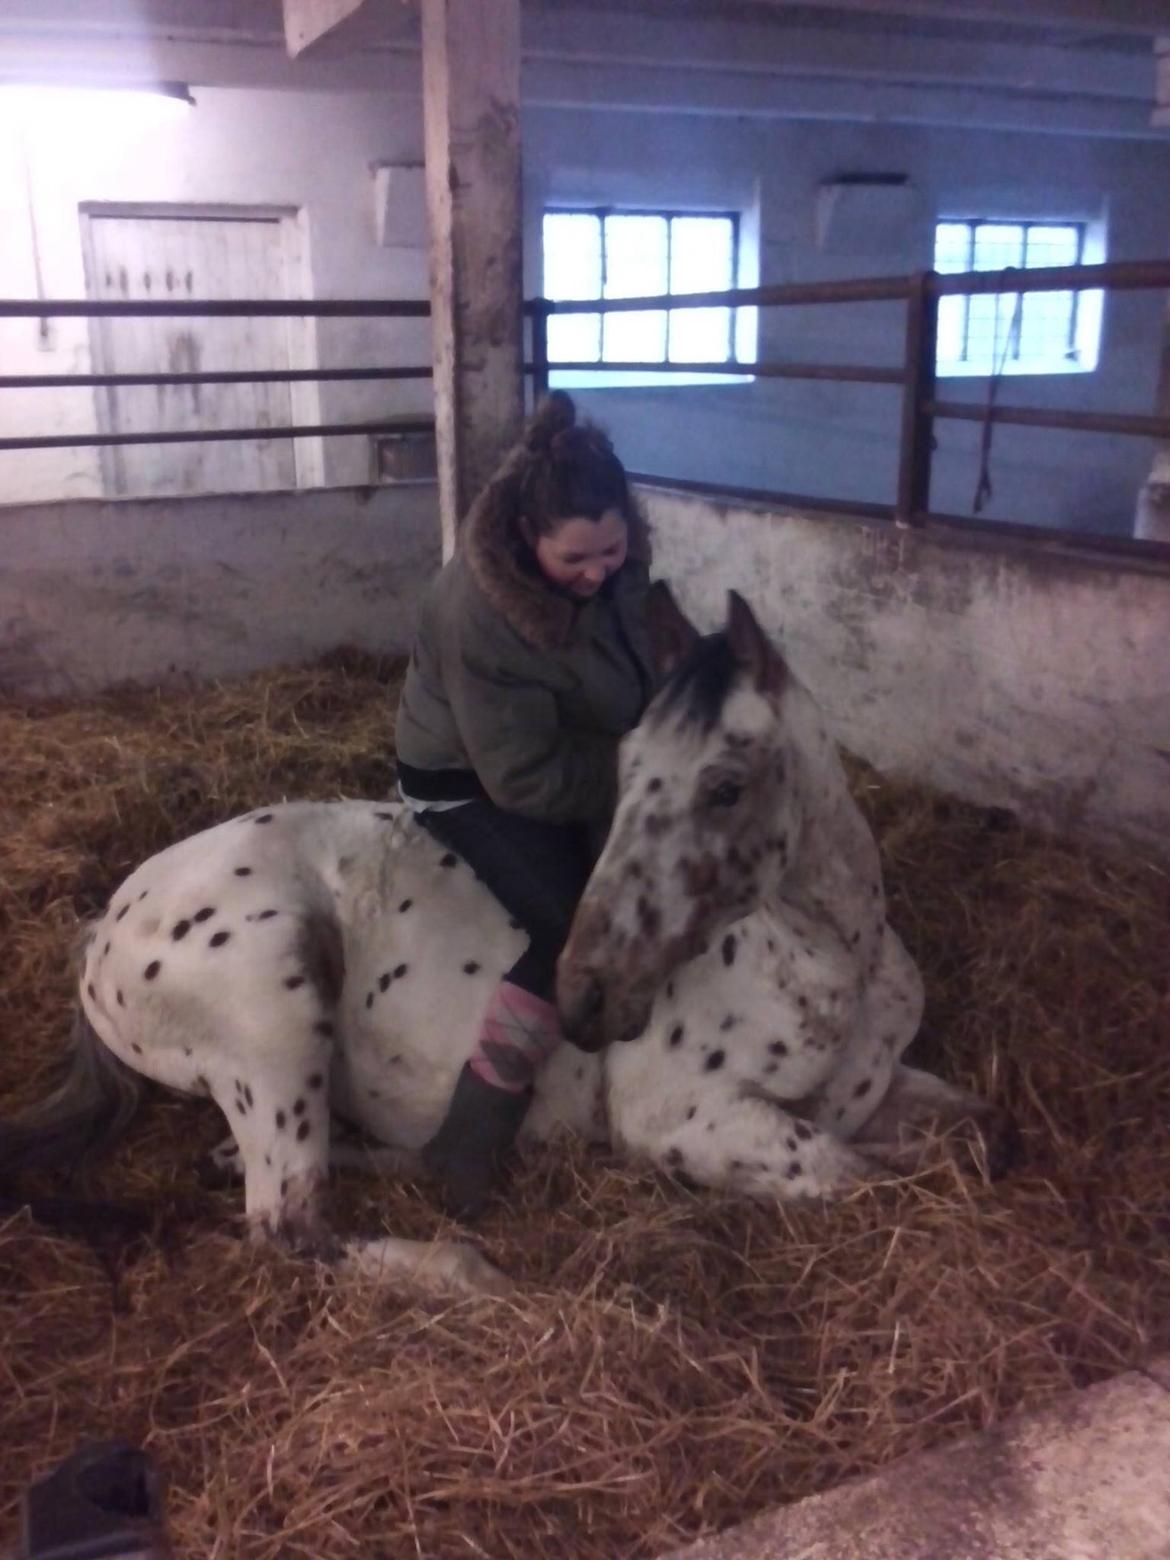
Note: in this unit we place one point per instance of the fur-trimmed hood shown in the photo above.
(501, 564)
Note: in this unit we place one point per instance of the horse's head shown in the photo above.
(708, 818)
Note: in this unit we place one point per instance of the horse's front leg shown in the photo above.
(278, 1109)
(734, 1136)
(919, 1110)
(283, 1148)
(278, 1112)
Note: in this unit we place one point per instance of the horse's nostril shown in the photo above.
(590, 1003)
(583, 1007)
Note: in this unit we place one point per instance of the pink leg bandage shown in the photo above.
(519, 1032)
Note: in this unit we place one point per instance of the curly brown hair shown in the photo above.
(566, 470)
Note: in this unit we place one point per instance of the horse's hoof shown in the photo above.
(442, 1267)
(219, 1168)
(477, 1276)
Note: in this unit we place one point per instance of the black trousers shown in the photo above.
(537, 871)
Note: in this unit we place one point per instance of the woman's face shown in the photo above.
(581, 554)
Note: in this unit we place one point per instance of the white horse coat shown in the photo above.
(316, 959)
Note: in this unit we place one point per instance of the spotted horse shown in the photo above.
(316, 960)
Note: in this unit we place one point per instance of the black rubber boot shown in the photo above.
(106, 1499)
(466, 1153)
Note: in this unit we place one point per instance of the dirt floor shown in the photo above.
(671, 1362)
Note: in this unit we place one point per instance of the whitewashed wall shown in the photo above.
(95, 592)
(310, 153)
(1032, 679)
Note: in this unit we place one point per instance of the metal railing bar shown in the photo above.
(882, 289)
(307, 431)
(1125, 274)
(855, 373)
(234, 377)
(333, 308)
(1038, 417)
(840, 506)
(1118, 274)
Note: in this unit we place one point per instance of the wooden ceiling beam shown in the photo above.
(306, 22)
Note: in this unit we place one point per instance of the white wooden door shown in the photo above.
(180, 257)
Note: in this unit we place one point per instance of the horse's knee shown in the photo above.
(295, 1216)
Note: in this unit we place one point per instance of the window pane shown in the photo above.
(952, 253)
(1051, 245)
(991, 317)
(700, 335)
(990, 339)
(1028, 333)
(572, 255)
(1047, 330)
(702, 259)
(952, 246)
(998, 244)
(635, 266)
(572, 269)
(952, 322)
(574, 338)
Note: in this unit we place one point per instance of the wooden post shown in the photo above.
(471, 106)
(917, 424)
(1152, 521)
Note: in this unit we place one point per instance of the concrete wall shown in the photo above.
(1032, 679)
(1028, 678)
(840, 441)
(94, 592)
(310, 153)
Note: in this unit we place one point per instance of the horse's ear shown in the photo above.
(672, 633)
(752, 648)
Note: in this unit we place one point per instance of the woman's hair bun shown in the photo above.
(553, 416)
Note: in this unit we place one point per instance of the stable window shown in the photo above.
(604, 253)
(1014, 333)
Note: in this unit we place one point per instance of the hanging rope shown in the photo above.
(983, 487)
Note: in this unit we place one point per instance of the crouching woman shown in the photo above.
(530, 664)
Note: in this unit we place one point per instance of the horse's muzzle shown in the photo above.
(592, 1016)
(581, 1005)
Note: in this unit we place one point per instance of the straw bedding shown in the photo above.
(671, 1361)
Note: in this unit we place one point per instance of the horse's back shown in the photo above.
(219, 930)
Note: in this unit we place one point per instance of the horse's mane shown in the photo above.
(700, 683)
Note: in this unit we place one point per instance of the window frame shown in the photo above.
(611, 372)
(1075, 359)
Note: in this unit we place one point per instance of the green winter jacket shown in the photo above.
(516, 690)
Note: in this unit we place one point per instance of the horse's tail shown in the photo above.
(88, 1110)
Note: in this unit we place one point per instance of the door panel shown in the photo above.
(181, 257)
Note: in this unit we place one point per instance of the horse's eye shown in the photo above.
(725, 794)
